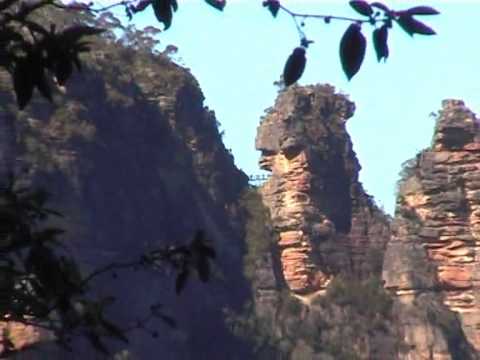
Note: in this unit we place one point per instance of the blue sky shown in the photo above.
(238, 54)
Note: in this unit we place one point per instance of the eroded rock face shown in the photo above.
(324, 219)
(140, 165)
(20, 336)
(434, 247)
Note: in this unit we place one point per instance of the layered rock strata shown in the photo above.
(434, 251)
(325, 221)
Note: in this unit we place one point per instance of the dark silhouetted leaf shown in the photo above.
(412, 26)
(181, 281)
(380, 6)
(5, 4)
(74, 33)
(305, 42)
(163, 10)
(294, 66)
(142, 5)
(80, 47)
(422, 10)
(352, 50)
(217, 4)
(63, 70)
(78, 6)
(77, 62)
(203, 268)
(168, 320)
(114, 330)
(23, 83)
(273, 6)
(97, 343)
(380, 42)
(48, 234)
(43, 87)
(39, 197)
(64, 344)
(362, 7)
(200, 245)
(7, 342)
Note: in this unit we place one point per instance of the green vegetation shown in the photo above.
(367, 298)
(352, 321)
(407, 171)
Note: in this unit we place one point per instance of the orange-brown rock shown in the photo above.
(434, 249)
(20, 336)
(325, 221)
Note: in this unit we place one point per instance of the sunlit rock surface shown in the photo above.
(434, 251)
(325, 221)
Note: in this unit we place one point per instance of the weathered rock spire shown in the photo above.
(318, 207)
(434, 251)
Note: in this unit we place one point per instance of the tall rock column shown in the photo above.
(318, 207)
(434, 252)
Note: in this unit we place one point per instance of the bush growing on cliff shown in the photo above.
(407, 170)
(355, 319)
(367, 297)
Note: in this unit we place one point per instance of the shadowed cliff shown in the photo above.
(134, 161)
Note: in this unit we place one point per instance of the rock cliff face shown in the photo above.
(319, 295)
(432, 261)
(134, 160)
(326, 223)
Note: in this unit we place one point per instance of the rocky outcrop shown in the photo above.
(135, 161)
(17, 336)
(434, 252)
(325, 221)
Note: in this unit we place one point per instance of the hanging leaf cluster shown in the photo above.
(163, 9)
(273, 6)
(187, 260)
(353, 43)
(295, 66)
(56, 54)
(35, 55)
(40, 57)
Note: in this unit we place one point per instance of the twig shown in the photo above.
(324, 17)
(89, 8)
